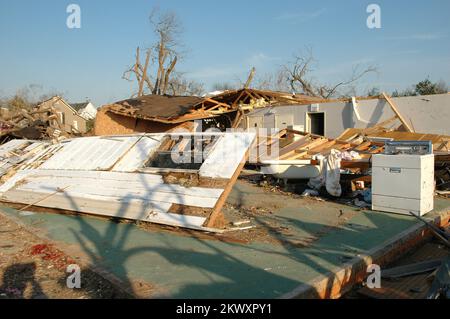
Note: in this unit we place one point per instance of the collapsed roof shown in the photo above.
(155, 106)
(177, 109)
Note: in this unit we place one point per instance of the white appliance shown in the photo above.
(403, 183)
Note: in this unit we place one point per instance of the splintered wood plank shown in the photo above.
(380, 128)
(349, 134)
(290, 149)
(264, 149)
(321, 147)
(360, 164)
(363, 147)
(300, 155)
(12, 145)
(307, 147)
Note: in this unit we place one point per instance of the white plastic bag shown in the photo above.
(333, 173)
(330, 174)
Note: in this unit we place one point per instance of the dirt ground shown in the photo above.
(33, 268)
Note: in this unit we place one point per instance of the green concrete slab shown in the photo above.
(186, 267)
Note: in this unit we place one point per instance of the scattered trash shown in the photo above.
(242, 222)
(361, 203)
(310, 192)
(26, 213)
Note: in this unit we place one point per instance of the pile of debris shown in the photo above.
(38, 123)
(307, 156)
(135, 177)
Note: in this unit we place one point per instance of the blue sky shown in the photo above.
(224, 39)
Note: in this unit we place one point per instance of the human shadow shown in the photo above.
(17, 278)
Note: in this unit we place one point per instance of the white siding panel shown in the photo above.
(113, 186)
(137, 210)
(11, 182)
(106, 176)
(124, 184)
(96, 190)
(92, 153)
(138, 154)
(34, 145)
(226, 155)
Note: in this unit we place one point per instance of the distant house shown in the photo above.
(86, 109)
(72, 121)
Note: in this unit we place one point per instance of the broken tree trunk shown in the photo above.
(250, 78)
(144, 74)
(167, 75)
(136, 67)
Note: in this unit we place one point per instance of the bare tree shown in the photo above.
(27, 97)
(163, 55)
(167, 28)
(298, 76)
(224, 86)
(276, 81)
(179, 85)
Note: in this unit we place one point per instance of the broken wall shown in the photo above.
(426, 114)
(108, 123)
(70, 121)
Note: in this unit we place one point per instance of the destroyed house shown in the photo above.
(250, 108)
(69, 120)
(156, 113)
(425, 114)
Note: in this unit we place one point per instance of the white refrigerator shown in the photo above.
(403, 183)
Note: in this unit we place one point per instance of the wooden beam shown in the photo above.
(233, 105)
(400, 117)
(302, 149)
